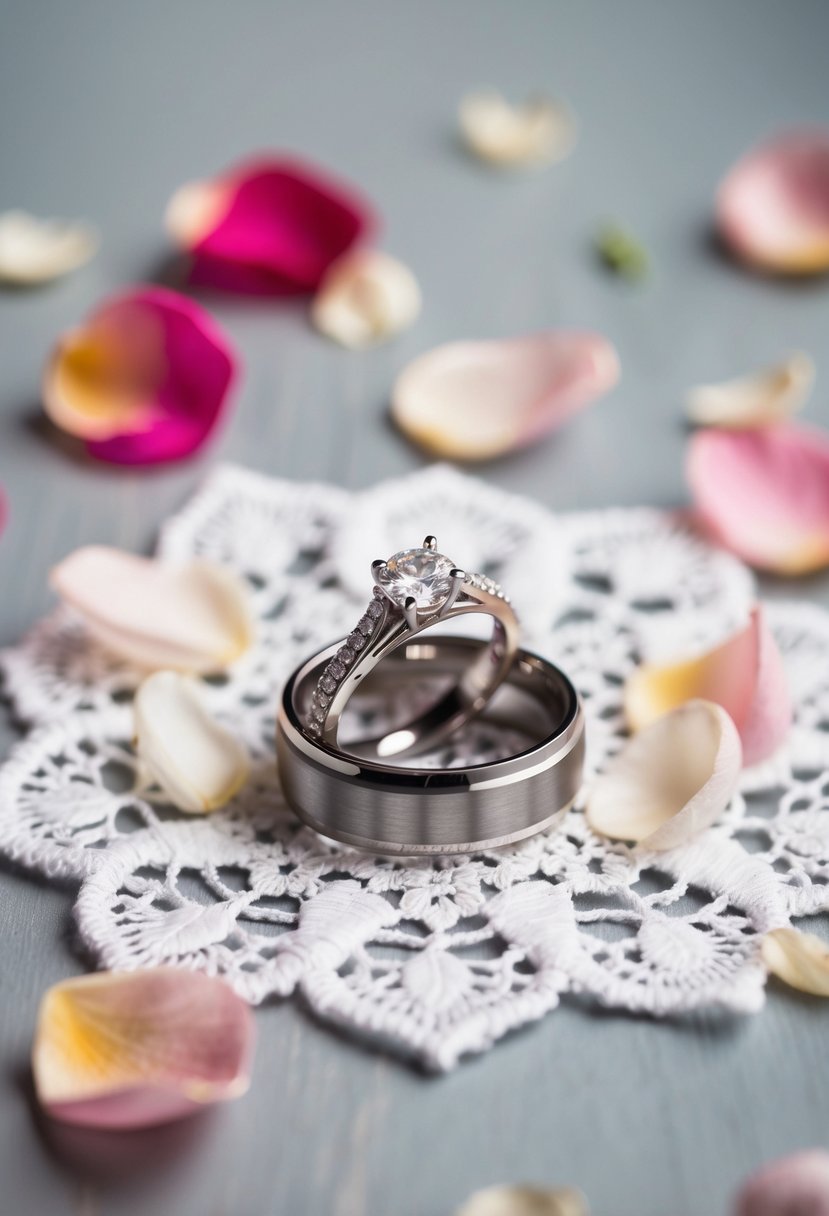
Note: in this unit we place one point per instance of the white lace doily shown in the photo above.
(434, 958)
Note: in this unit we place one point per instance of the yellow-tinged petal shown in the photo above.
(194, 617)
(800, 960)
(525, 1201)
(537, 132)
(744, 674)
(134, 1049)
(198, 764)
(671, 781)
(365, 298)
(35, 251)
(758, 399)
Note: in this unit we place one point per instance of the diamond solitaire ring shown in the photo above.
(414, 590)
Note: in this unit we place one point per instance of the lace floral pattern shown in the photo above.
(436, 958)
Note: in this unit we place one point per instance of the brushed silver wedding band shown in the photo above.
(389, 809)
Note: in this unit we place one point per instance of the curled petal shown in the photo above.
(198, 764)
(36, 251)
(525, 1201)
(365, 298)
(193, 618)
(537, 132)
(744, 675)
(476, 400)
(268, 227)
(671, 781)
(144, 380)
(800, 960)
(758, 399)
(773, 207)
(764, 494)
(794, 1186)
(120, 1050)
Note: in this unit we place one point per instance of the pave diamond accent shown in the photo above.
(421, 574)
(337, 668)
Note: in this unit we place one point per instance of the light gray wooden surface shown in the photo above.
(104, 108)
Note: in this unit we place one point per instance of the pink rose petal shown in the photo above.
(270, 226)
(476, 400)
(764, 494)
(132, 1049)
(773, 207)
(744, 674)
(145, 380)
(793, 1186)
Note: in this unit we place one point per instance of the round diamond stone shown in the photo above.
(424, 575)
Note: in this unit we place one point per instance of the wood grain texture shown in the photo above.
(106, 107)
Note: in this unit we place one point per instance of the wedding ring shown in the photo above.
(415, 589)
(386, 808)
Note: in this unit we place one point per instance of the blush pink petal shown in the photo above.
(145, 380)
(478, 400)
(744, 674)
(793, 1186)
(271, 226)
(132, 1049)
(764, 494)
(773, 207)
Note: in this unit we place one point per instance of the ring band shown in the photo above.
(391, 809)
(415, 589)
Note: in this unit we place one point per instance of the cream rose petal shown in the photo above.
(478, 400)
(758, 399)
(194, 617)
(36, 251)
(744, 674)
(198, 764)
(525, 1201)
(121, 1050)
(538, 131)
(801, 960)
(671, 781)
(365, 298)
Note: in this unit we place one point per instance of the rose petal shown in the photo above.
(364, 298)
(194, 617)
(764, 494)
(145, 380)
(140, 1048)
(197, 763)
(773, 207)
(537, 132)
(758, 399)
(671, 781)
(794, 1186)
(475, 400)
(744, 675)
(524, 1201)
(270, 226)
(799, 959)
(36, 251)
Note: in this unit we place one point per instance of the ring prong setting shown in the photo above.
(431, 543)
(458, 579)
(377, 566)
(410, 611)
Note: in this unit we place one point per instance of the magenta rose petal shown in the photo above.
(145, 380)
(271, 226)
